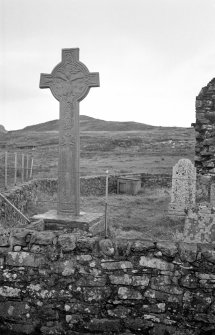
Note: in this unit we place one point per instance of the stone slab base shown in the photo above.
(84, 221)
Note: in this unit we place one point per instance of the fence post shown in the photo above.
(15, 167)
(106, 205)
(23, 167)
(27, 158)
(31, 170)
(5, 170)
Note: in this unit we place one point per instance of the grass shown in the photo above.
(152, 150)
(143, 215)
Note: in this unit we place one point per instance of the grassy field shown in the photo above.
(153, 150)
(140, 216)
(146, 149)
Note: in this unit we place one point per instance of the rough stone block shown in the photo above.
(4, 237)
(142, 245)
(9, 292)
(167, 248)
(91, 281)
(156, 263)
(67, 242)
(43, 238)
(125, 293)
(24, 259)
(138, 324)
(188, 252)
(119, 312)
(104, 325)
(65, 268)
(95, 294)
(132, 280)
(14, 310)
(117, 265)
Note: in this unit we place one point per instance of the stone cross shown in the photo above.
(183, 187)
(69, 82)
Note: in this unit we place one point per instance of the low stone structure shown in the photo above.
(183, 187)
(73, 283)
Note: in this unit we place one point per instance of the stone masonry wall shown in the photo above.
(205, 129)
(156, 180)
(76, 283)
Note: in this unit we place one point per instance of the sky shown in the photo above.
(153, 57)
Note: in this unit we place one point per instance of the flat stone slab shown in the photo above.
(54, 221)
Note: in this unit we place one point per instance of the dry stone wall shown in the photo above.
(57, 283)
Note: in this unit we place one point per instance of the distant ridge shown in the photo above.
(88, 123)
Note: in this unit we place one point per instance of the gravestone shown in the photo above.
(69, 82)
(183, 188)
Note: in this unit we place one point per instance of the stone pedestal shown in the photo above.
(92, 222)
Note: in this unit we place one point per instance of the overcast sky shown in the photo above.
(153, 57)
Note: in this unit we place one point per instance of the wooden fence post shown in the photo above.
(23, 167)
(15, 167)
(31, 170)
(106, 205)
(5, 170)
(27, 158)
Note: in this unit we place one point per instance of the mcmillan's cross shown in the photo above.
(69, 82)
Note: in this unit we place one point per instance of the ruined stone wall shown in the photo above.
(57, 283)
(205, 129)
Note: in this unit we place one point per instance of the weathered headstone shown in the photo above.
(183, 187)
(69, 82)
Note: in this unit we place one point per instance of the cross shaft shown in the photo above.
(69, 82)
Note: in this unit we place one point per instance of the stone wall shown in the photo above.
(205, 129)
(156, 180)
(57, 283)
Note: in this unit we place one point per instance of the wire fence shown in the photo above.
(15, 169)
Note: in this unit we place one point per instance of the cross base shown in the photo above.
(92, 222)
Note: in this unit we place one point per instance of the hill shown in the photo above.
(117, 146)
(88, 123)
(2, 129)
